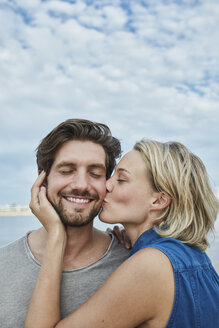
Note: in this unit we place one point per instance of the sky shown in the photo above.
(148, 69)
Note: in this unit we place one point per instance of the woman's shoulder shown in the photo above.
(150, 259)
(181, 255)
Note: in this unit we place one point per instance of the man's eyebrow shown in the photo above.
(97, 166)
(61, 164)
(91, 166)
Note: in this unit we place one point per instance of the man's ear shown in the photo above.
(161, 201)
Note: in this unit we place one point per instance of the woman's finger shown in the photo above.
(127, 241)
(34, 203)
(43, 201)
(116, 231)
(47, 215)
(39, 179)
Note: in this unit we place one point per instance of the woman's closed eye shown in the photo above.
(121, 180)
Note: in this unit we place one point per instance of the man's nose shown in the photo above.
(80, 181)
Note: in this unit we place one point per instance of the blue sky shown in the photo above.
(146, 68)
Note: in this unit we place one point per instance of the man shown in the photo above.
(77, 156)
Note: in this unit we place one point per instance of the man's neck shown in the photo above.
(85, 245)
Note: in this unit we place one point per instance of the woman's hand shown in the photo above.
(42, 208)
(121, 235)
(44, 308)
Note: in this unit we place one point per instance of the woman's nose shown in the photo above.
(109, 185)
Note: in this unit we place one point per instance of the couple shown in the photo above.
(161, 195)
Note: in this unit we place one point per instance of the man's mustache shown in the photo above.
(76, 192)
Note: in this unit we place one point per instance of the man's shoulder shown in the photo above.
(12, 250)
(12, 245)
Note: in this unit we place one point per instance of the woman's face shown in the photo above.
(129, 192)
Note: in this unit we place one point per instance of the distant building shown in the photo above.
(15, 209)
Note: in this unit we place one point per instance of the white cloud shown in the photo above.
(146, 71)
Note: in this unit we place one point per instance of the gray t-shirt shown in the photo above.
(19, 270)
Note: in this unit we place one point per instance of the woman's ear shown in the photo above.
(161, 201)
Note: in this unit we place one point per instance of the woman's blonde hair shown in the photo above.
(182, 175)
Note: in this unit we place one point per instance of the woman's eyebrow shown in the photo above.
(120, 169)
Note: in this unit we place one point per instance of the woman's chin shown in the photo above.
(103, 215)
(106, 219)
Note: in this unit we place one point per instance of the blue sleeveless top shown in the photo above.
(196, 303)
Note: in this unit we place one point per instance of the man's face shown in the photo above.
(76, 184)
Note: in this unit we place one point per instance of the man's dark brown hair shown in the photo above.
(78, 129)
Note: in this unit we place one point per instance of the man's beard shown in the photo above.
(75, 219)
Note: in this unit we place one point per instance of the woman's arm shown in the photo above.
(44, 308)
(139, 291)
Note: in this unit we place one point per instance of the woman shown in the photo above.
(161, 195)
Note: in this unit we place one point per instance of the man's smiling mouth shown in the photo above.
(78, 200)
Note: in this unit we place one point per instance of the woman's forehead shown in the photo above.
(131, 162)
